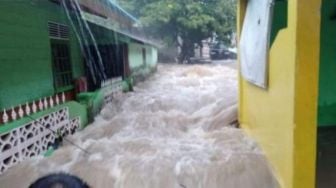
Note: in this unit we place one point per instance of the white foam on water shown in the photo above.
(172, 132)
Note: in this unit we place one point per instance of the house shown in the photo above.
(60, 62)
(287, 99)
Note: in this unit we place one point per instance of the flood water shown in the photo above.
(174, 131)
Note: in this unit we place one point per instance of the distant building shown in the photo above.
(60, 62)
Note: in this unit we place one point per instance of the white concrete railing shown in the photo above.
(112, 88)
(34, 138)
(24, 110)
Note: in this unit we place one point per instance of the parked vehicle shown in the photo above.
(220, 51)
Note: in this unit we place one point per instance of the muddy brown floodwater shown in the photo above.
(173, 131)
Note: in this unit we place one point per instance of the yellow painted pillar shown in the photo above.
(240, 20)
(306, 92)
(283, 117)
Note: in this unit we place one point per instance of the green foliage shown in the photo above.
(192, 19)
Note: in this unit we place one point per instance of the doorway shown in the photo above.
(114, 60)
(326, 130)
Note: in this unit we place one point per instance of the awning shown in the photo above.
(110, 24)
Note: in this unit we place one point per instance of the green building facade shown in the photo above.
(54, 61)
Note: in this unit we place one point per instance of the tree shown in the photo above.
(191, 21)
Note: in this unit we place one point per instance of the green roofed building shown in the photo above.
(60, 62)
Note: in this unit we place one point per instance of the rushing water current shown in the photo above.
(173, 131)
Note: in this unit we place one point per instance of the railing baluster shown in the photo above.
(5, 116)
(51, 102)
(21, 113)
(27, 109)
(34, 107)
(63, 97)
(45, 103)
(57, 99)
(40, 104)
(13, 114)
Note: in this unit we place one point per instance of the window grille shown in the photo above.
(61, 65)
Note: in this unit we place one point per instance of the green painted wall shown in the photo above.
(136, 59)
(25, 55)
(135, 56)
(140, 70)
(149, 56)
(93, 101)
(153, 58)
(327, 90)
